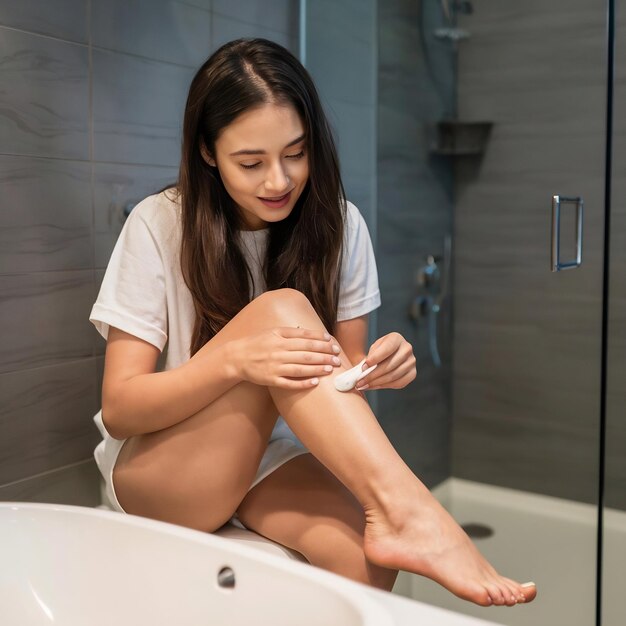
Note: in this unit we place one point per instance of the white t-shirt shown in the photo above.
(144, 294)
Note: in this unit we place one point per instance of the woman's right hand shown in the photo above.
(291, 358)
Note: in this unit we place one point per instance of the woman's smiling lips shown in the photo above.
(277, 202)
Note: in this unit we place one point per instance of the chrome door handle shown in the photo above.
(555, 261)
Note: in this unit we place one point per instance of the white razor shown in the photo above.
(349, 379)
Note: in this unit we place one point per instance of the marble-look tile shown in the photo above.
(77, 485)
(138, 108)
(46, 418)
(45, 220)
(44, 317)
(278, 15)
(163, 30)
(116, 189)
(45, 96)
(226, 29)
(65, 19)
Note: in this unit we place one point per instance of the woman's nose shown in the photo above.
(277, 179)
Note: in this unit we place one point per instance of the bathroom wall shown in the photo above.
(526, 398)
(90, 117)
(415, 199)
(341, 56)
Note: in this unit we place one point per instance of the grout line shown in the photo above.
(52, 471)
(57, 364)
(44, 35)
(94, 161)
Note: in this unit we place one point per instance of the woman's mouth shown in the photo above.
(276, 202)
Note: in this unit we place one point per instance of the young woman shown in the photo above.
(258, 276)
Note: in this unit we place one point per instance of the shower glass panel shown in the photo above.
(527, 341)
(614, 535)
(515, 456)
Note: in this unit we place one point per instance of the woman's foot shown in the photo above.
(426, 540)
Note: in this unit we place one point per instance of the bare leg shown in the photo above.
(406, 528)
(303, 506)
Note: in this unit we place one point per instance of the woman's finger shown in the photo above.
(383, 348)
(312, 358)
(295, 384)
(291, 370)
(312, 345)
(389, 374)
(395, 384)
(402, 358)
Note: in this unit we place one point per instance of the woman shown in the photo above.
(243, 269)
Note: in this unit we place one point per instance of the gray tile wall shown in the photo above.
(90, 118)
(414, 216)
(341, 55)
(527, 341)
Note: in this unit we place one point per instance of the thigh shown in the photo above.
(196, 472)
(303, 506)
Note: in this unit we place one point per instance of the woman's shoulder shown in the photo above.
(354, 218)
(159, 212)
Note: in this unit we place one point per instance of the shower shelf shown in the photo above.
(458, 138)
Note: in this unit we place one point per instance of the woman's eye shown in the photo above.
(250, 167)
(296, 156)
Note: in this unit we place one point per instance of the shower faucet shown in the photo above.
(431, 289)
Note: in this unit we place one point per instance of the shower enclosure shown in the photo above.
(520, 408)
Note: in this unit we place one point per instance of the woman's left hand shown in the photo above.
(396, 364)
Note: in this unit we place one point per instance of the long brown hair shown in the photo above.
(304, 249)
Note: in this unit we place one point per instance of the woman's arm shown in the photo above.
(138, 400)
(352, 337)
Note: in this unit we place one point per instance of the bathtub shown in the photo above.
(551, 541)
(72, 566)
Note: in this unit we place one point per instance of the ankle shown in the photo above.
(393, 502)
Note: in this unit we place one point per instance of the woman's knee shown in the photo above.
(285, 304)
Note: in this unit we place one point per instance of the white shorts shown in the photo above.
(282, 447)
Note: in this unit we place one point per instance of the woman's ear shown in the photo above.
(206, 155)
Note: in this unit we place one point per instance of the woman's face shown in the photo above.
(262, 160)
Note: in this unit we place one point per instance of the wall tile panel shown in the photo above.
(65, 19)
(164, 30)
(44, 91)
(44, 317)
(138, 109)
(45, 216)
(46, 418)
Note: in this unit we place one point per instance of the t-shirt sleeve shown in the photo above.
(132, 296)
(358, 292)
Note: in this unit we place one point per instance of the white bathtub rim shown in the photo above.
(371, 612)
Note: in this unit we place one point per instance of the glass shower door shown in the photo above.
(614, 526)
(527, 340)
